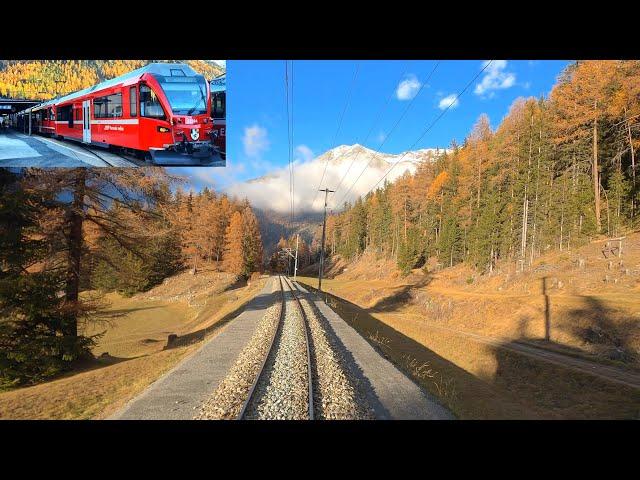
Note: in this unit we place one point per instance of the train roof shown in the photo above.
(165, 69)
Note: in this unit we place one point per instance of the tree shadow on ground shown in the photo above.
(464, 394)
(596, 326)
(123, 311)
(240, 282)
(589, 390)
(519, 386)
(259, 302)
(400, 297)
(559, 391)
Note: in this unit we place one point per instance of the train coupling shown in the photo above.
(185, 153)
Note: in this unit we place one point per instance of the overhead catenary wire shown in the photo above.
(395, 125)
(335, 137)
(375, 122)
(293, 172)
(289, 136)
(431, 125)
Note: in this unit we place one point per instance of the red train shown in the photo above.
(161, 112)
(218, 87)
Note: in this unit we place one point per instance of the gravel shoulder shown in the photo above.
(390, 393)
(179, 393)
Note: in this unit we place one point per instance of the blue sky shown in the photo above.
(257, 121)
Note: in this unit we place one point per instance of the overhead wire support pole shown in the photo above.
(324, 231)
(295, 268)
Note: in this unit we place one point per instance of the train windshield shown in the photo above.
(186, 95)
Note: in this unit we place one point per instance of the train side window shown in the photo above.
(100, 107)
(133, 102)
(150, 104)
(218, 105)
(114, 109)
(109, 106)
(64, 114)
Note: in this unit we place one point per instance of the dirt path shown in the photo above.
(607, 372)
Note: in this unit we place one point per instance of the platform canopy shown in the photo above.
(13, 105)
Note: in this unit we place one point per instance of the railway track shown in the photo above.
(107, 161)
(292, 368)
(277, 388)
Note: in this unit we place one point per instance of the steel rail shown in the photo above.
(84, 147)
(245, 406)
(305, 322)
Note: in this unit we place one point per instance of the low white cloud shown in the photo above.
(272, 191)
(408, 88)
(449, 100)
(303, 153)
(255, 140)
(496, 77)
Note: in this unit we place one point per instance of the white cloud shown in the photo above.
(381, 136)
(222, 63)
(408, 88)
(255, 140)
(303, 153)
(272, 191)
(495, 78)
(449, 100)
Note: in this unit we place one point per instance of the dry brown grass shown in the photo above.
(135, 342)
(91, 394)
(588, 317)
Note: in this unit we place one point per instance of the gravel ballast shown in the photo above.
(282, 392)
(227, 400)
(337, 394)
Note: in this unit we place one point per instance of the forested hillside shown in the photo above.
(556, 172)
(46, 79)
(67, 236)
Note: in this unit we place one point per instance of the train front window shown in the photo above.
(186, 95)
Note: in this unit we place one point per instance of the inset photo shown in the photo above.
(112, 113)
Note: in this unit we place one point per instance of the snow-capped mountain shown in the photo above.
(343, 164)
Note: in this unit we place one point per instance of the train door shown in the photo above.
(86, 121)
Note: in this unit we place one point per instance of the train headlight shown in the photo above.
(163, 129)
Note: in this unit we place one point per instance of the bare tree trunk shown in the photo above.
(525, 219)
(75, 218)
(596, 174)
(564, 186)
(405, 219)
(633, 165)
(535, 207)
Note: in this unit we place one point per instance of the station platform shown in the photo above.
(21, 150)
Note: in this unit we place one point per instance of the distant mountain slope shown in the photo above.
(271, 191)
(46, 79)
(274, 225)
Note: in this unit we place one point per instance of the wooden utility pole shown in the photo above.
(295, 268)
(324, 230)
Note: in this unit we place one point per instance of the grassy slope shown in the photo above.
(589, 317)
(134, 342)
